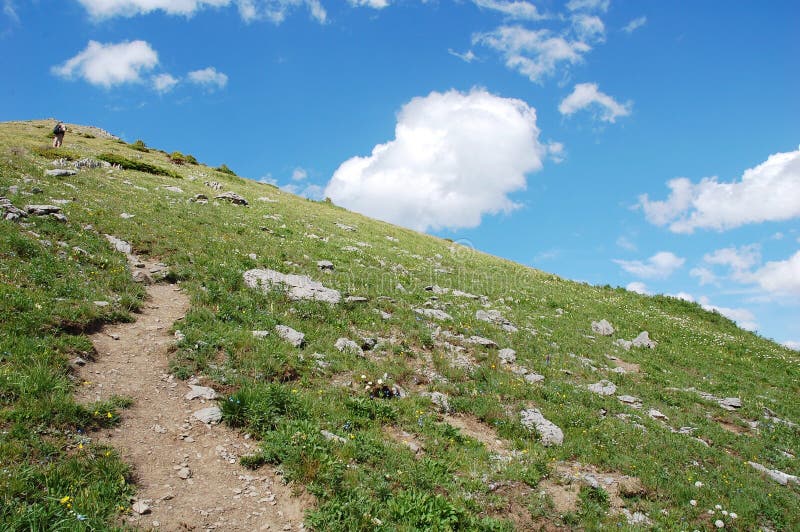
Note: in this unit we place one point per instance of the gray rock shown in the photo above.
(384, 315)
(507, 356)
(233, 197)
(439, 399)
(355, 299)
(344, 227)
(533, 378)
(177, 190)
(90, 163)
(643, 340)
(325, 265)
(141, 276)
(260, 334)
(480, 340)
(436, 289)
(184, 473)
(459, 293)
(42, 210)
(624, 344)
(730, 403)
(59, 217)
(655, 414)
(780, 477)
(330, 436)
(603, 387)
(434, 313)
(119, 245)
(297, 286)
(296, 338)
(400, 288)
(602, 328)
(9, 211)
(494, 316)
(126, 216)
(630, 400)
(216, 185)
(79, 362)
(549, 433)
(209, 415)
(59, 172)
(346, 345)
(636, 518)
(141, 508)
(200, 392)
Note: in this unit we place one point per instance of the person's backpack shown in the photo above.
(57, 129)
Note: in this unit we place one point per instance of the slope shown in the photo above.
(433, 416)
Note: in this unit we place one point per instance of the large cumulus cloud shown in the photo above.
(455, 157)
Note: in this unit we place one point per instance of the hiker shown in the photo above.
(59, 131)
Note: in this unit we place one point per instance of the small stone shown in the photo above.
(507, 356)
(549, 433)
(208, 415)
(355, 299)
(631, 487)
(232, 197)
(59, 172)
(643, 340)
(602, 327)
(200, 392)
(79, 362)
(434, 313)
(295, 338)
(604, 387)
(325, 265)
(140, 508)
(184, 473)
(332, 437)
(347, 345)
(655, 414)
(730, 403)
(260, 334)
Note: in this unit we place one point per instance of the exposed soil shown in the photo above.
(159, 437)
(564, 485)
(474, 428)
(629, 367)
(407, 439)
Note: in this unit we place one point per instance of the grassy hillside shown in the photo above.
(471, 465)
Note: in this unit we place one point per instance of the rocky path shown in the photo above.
(187, 472)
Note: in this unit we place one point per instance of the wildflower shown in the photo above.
(698, 484)
(363, 376)
(719, 524)
(380, 381)
(65, 499)
(80, 517)
(718, 507)
(724, 512)
(80, 445)
(108, 415)
(693, 502)
(733, 515)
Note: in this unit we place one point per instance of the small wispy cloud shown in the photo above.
(588, 95)
(468, 56)
(635, 24)
(208, 77)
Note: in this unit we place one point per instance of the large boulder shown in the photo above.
(296, 286)
(602, 327)
(549, 433)
(233, 197)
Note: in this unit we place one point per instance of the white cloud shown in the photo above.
(299, 174)
(518, 10)
(768, 192)
(101, 9)
(164, 82)
(588, 5)
(375, 4)
(739, 260)
(659, 266)
(635, 24)
(743, 317)
(533, 53)
(588, 28)
(704, 275)
(276, 11)
(208, 77)
(455, 157)
(468, 56)
(638, 287)
(791, 344)
(250, 10)
(779, 277)
(684, 296)
(586, 95)
(556, 152)
(625, 243)
(107, 65)
(10, 11)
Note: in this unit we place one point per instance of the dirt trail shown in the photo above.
(159, 437)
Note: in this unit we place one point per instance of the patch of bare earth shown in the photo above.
(629, 367)
(514, 498)
(187, 472)
(564, 484)
(409, 440)
(732, 427)
(475, 429)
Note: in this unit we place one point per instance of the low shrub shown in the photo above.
(139, 166)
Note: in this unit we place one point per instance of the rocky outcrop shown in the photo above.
(296, 286)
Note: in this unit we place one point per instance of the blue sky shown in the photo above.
(646, 144)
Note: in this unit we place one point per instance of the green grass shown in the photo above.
(282, 397)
